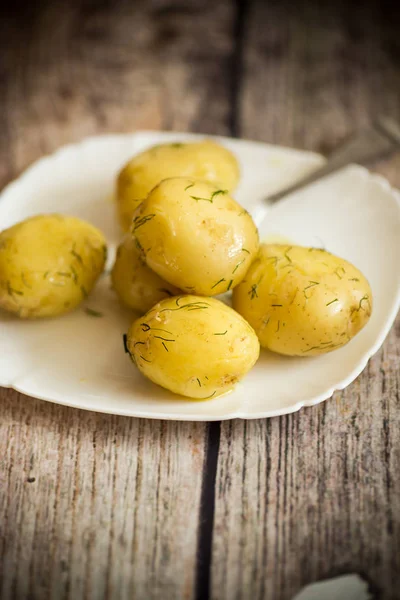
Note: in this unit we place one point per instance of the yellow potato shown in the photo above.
(49, 264)
(204, 160)
(303, 301)
(193, 346)
(136, 285)
(195, 236)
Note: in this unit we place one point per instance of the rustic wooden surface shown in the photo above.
(101, 507)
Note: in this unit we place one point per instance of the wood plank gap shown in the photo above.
(206, 517)
(237, 67)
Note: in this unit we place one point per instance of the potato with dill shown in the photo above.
(205, 160)
(195, 236)
(193, 346)
(303, 301)
(137, 286)
(49, 264)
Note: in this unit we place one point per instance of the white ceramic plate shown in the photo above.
(78, 360)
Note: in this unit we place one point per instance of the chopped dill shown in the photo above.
(139, 221)
(125, 340)
(76, 255)
(211, 199)
(159, 337)
(253, 291)
(61, 274)
(165, 346)
(11, 291)
(145, 326)
(324, 346)
(366, 297)
(139, 245)
(287, 255)
(217, 193)
(93, 313)
(189, 186)
(243, 212)
(245, 250)
(276, 304)
(278, 327)
(208, 397)
(176, 145)
(312, 284)
(198, 198)
(190, 306)
(145, 359)
(332, 301)
(45, 274)
(339, 269)
(354, 279)
(198, 381)
(238, 265)
(139, 344)
(222, 333)
(229, 285)
(218, 282)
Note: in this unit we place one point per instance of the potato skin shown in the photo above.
(137, 286)
(303, 301)
(205, 160)
(195, 236)
(193, 346)
(49, 264)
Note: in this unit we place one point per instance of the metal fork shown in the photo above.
(378, 140)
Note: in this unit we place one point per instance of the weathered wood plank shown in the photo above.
(113, 509)
(316, 493)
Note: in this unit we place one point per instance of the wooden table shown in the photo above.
(95, 506)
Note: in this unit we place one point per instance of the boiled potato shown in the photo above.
(303, 301)
(135, 284)
(195, 236)
(193, 346)
(204, 160)
(49, 264)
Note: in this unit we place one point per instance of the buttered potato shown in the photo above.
(135, 284)
(303, 301)
(205, 160)
(195, 236)
(49, 264)
(193, 346)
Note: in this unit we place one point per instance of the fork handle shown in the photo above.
(367, 146)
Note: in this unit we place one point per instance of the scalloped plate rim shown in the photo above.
(238, 414)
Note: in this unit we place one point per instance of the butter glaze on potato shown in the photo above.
(49, 264)
(195, 236)
(205, 160)
(193, 346)
(303, 301)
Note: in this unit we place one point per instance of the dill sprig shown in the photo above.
(140, 221)
(92, 313)
(218, 282)
(332, 301)
(253, 291)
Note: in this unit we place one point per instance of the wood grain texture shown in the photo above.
(101, 507)
(95, 506)
(317, 493)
